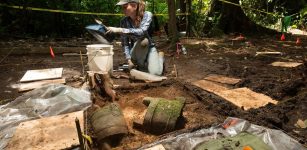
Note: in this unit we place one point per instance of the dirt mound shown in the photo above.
(195, 114)
(283, 116)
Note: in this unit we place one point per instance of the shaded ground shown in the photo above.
(205, 56)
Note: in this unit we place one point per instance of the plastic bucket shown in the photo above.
(100, 57)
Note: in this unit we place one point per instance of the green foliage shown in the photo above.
(58, 24)
(48, 23)
(158, 7)
(199, 17)
(272, 11)
(264, 19)
(215, 30)
(303, 12)
(104, 6)
(303, 18)
(266, 13)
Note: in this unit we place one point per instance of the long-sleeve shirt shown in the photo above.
(132, 33)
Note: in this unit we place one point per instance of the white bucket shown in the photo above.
(100, 57)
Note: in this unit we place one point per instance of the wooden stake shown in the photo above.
(82, 63)
(175, 69)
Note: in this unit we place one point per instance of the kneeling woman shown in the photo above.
(138, 45)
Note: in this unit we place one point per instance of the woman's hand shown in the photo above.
(130, 64)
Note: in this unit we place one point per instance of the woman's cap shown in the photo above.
(123, 2)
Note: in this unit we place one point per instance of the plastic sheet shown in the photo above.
(99, 32)
(275, 139)
(43, 102)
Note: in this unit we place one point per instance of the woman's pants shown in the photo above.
(147, 58)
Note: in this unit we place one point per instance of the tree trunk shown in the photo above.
(182, 5)
(189, 10)
(172, 28)
(101, 84)
(232, 18)
(182, 19)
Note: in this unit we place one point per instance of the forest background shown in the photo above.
(197, 17)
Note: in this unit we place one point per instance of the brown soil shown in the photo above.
(206, 56)
(194, 113)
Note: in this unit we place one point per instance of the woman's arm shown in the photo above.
(126, 49)
(144, 26)
(125, 41)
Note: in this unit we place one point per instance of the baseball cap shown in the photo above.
(123, 2)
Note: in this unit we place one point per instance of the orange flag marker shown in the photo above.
(241, 37)
(51, 52)
(282, 38)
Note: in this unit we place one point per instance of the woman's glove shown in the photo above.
(130, 64)
(114, 30)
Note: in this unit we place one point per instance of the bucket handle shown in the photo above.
(93, 57)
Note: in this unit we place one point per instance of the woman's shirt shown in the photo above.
(132, 33)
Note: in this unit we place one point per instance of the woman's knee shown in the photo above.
(153, 62)
(145, 42)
